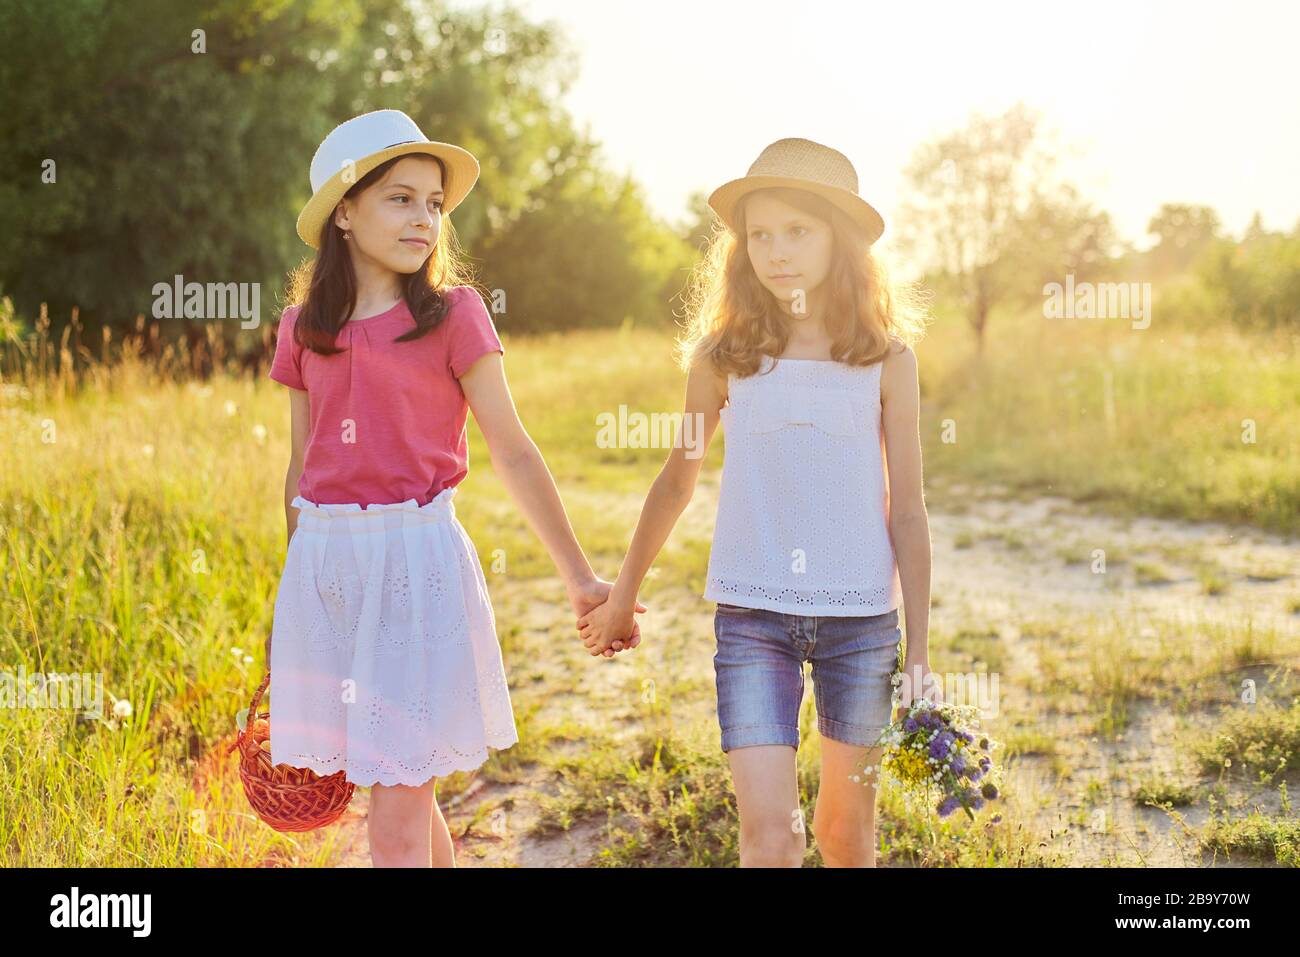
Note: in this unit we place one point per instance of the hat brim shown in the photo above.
(723, 200)
(462, 174)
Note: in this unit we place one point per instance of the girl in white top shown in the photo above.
(801, 347)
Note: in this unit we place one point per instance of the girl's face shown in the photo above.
(789, 249)
(397, 220)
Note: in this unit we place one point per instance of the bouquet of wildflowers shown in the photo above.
(937, 753)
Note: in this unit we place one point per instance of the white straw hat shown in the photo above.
(354, 148)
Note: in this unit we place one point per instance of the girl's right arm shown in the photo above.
(300, 411)
(671, 492)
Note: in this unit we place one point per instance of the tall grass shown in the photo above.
(142, 529)
(1164, 421)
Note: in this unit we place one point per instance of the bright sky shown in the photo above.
(1162, 102)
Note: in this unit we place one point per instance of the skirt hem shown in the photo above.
(408, 780)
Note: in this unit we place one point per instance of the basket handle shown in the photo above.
(257, 695)
(252, 713)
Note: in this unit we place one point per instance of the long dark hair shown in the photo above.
(326, 286)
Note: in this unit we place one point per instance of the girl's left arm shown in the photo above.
(909, 525)
(521, 468)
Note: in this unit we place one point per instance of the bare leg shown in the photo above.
(400, 824)
(767, 798)
(844, 820)
(444, 852)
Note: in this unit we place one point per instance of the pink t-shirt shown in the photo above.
(387, 418)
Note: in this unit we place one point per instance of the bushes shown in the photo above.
(1255, 283)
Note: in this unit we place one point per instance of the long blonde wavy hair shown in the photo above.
(733, 320)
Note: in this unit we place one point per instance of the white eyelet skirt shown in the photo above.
(384, 654)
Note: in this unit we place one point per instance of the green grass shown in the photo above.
(143, 537)
(1204, 423)
(1163, 791)
(1257, 837)
(1259, 741)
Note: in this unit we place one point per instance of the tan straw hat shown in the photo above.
(801, 164)
(357, 146)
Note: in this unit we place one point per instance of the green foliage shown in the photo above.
(165, 160)
(1182, 231)
(1255, 283)
(990, 223)
(180, 152)
(590, 249)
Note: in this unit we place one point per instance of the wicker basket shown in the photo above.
(285, 797)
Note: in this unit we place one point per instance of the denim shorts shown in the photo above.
(760, 674)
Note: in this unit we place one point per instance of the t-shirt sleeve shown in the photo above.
(470, 332)
(286, 367)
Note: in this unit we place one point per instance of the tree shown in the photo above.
(149, 139)
(184, 152)
(1254, 283)
(587, 252)
(1255, 229)
(698, 227)
(979, 198)
(1058, 235)
(1182, 232)
(486, 79)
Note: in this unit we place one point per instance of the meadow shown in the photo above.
(143, 536)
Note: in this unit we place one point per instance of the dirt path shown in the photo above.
(1026, 572)
(1007, 573)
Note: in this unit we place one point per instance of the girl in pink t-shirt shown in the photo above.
(384, 648)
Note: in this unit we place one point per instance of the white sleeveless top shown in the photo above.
(801, 522)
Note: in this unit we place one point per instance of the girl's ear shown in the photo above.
(340, 216)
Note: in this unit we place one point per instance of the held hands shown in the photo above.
(591, 596)
(610, 626)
